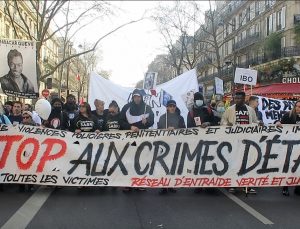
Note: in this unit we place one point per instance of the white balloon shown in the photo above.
(43, 108)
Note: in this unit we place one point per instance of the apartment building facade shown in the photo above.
(256, 34)
(49, 50)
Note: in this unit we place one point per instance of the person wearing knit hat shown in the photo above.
(200, 114)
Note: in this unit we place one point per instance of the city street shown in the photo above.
(107, 208)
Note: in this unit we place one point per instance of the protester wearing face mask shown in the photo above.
(57, 119)
(200, 114)
(220, 109)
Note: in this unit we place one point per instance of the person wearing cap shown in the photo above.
(200, 114)
(170, 120)
(239, 114)
(137, 115)
(58, 119)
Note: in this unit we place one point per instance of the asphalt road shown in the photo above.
(112, 209)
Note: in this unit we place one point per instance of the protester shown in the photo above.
(291, 117)
(170, 120)
(35, 117)
(58, 119)
(100, 113)
(8, 107)
(136, 115)
(200, 114)
(16, 116)
(71, 108)
(86, 121)
(27, 119)
(3, 118)
(253, 102)
(220, 109)
(114, 121)
(240, 114)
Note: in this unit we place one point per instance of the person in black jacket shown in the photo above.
(71, 108)
(100, 113)
(137, 115)
(113, 118)
(291, 117)
(170, 120)
(86, 121)
(57, 118)
(200, 114)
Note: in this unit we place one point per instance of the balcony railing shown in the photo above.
(247, 41)
(264, 58)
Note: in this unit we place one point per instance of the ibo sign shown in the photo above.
(245, 76)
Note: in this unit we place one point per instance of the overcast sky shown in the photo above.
(129, 51)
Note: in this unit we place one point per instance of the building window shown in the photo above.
(248, 14)
(256, 8)
(278, 24)
(282, 42)
(233, 22)
(240, 19)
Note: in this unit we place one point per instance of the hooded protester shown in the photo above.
(200, 114)
(137, 115)
(57, 118)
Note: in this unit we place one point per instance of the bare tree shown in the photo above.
(161, 65)
(45, 13)
(176, 24)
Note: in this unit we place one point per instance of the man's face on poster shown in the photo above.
(16, 66)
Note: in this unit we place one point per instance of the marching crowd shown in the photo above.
(137, 115)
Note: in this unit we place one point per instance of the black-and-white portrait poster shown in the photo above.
(18, 68)
(150, 80)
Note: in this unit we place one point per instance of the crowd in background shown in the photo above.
(137, 115)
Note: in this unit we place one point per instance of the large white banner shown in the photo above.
(235, 156)
(181, 89)
(273, 109)
(18, 68)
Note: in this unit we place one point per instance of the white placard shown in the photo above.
(219, 86)
(245, 76)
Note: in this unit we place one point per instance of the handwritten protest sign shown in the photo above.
(235, 156)
(273, 109)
